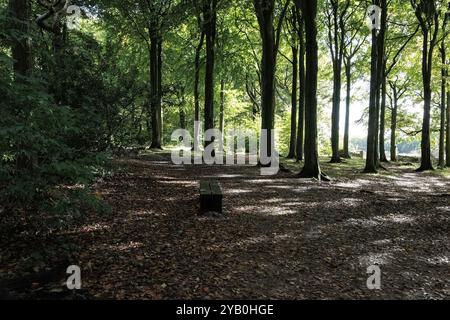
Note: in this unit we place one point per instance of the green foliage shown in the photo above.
(36, 150)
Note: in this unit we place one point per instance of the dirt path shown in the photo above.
(282, 238)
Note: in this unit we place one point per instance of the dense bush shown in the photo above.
(40, 166)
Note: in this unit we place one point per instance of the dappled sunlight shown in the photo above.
(229, 176)
(350, 185)
(379, 220)
(278, 187)
(361, 222)
(437, 260)
(445, 209)
(180, 183)
(396, 218)
(239, 191)
(145, 214)
(351, 202)
(269, 211)
(376, 259)
(89, 228)
(382, 242)
(126, 246)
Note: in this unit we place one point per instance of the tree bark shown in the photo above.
(381, 73)
(372, 132)
(447, 146)
(301, 102)
(265, 14)
(182, 118)
(293, 138)
(222, 106)
(444, 75)
(337, 53)
(394, 126)
(428, 18)
(155, 87)
(348, 77)
(209, 18)
(383, 157)
(311, 168)
(196, 87)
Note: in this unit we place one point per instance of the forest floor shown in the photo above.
(280, 237)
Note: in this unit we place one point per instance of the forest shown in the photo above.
(349, 100)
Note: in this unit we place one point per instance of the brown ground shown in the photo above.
(281, 237)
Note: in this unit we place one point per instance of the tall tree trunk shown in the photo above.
(222, 106)
(209, 17)
(337, 56)
(20, 11)
(311, 168)
(155, 88)
(348, 77)
(196, 88)
(427, 52)
(447, 146)
(383, 157)
(293, 139)
(160, 89)
(182, 118)
(335, 116)
(428, 17)
(394, 126)
(268, 66)
(372, 132)
(377, 129)
(444, 75)
(381, 74)
(377, 74)
(301, 101)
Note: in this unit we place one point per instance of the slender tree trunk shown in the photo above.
(394, 127)
(196, 89)
(311, 168)
(155, 87)
(444, 74)
(293, 140)
(301, 102)
(335, 116)
(383, 157)
(377, 129)
(427, 52)
(160, 89)
(372, 132)
(222, 106)
(182, 118)
(265, 15)
(426, 163)
(447, 146)
(337, 56)
(381, 70)
(348, 77)
(209, 17)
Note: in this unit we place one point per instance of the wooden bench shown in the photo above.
(210, 197)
